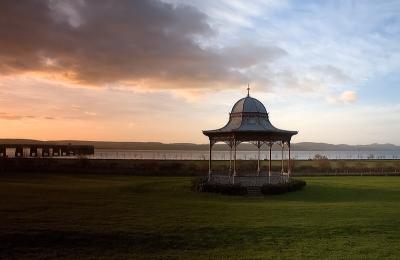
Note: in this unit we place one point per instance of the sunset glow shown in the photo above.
(165, 70)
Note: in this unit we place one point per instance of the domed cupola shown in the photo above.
(248, 106)
(249, 114)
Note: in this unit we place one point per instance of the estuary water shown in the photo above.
(241, 155)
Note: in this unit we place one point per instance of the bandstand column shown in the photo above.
(258, 159)
(230, 158)
(282, 145)
(269, 162)
(289, 161)
(209, 161)
(234, 157)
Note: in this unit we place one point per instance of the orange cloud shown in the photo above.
(9, 116)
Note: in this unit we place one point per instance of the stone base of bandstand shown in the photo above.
(248, 180)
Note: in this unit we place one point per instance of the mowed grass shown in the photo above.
(87, 216)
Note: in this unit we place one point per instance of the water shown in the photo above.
(240, 155)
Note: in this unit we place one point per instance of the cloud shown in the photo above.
(233, 14)
(16, 117)
(148, 43)
(89, 113)
(331, 74)
(347, 96)
(9, 116)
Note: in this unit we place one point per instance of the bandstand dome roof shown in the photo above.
(249, 120)
(248, 105)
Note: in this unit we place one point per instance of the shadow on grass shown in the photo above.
(312, 192)
(329, 193)
(197, 239)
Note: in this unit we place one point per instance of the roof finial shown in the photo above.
(248, 89)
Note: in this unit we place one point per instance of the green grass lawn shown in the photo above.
(87, 216)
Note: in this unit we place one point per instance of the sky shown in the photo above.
(164, 70)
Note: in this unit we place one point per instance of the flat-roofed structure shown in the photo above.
(46, 150)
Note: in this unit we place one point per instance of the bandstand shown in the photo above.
(249, 122)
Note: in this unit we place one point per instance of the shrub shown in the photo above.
(295, 184)
(292, 185)
(227, 189)
(322, 162)
(341, 165)
(198, 183)
(268, 189)
(201, 185)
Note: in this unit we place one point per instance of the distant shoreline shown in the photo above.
(302, 146)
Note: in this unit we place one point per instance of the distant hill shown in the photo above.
(303, 146)
(310, 146)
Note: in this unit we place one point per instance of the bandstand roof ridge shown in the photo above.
(249, 120)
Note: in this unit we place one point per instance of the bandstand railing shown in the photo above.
(249, 180)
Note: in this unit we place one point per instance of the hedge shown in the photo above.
(201, 185)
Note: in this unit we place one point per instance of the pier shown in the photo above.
(44, 150)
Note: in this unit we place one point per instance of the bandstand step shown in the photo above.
(254, 191)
